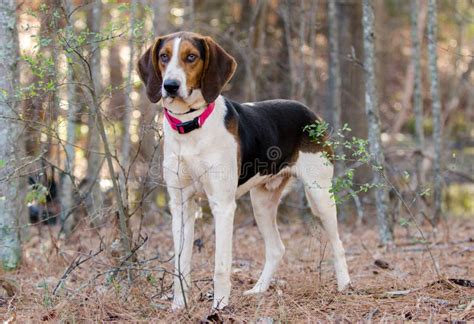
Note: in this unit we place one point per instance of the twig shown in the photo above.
(76, 262)
(410, 213)
(108, 157)
(135, 249)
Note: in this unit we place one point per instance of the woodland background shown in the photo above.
(84, 222)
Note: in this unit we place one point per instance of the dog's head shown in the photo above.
(185, 68)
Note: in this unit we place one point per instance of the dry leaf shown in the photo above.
(9, 286)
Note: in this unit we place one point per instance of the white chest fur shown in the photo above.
(210, 151)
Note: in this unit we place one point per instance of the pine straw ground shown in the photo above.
(403, 286)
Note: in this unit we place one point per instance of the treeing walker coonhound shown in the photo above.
(223, 149)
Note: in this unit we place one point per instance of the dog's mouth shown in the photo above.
(179, 105)
(171, 97)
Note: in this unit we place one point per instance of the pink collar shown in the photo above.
(189, 126)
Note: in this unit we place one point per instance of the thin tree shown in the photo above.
(117, 69)
(287, 29)
(67, 184)
(191, 21)
(371, 108)
(128, 88)
(303, 27)
(126, 142)
(436, 106)
(256, 44)
(334, 74)
(313, 78)
(458, 83)
(418, 17)
(349, 14)
(10, 184)
(151, 146)
(417, 94)
(35, 106)
(94, 158)
(335, 86)
(161, 10)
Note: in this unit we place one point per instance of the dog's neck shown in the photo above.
(187, 109)
(187, 115)
(213, 120)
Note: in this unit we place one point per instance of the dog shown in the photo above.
(223, 149)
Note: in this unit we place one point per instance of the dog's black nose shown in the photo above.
(171, 86)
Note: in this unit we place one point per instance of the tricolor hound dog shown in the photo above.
(223, 149)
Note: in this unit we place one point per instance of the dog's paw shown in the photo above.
(343, 282)
(258, 289)
(178, 303)
(220, 303)
(343, 286)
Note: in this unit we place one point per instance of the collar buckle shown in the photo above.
(188, 126)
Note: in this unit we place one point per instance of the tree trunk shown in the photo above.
(10, 185)
(436, 107)
(148, 150)
(371, 108)
(313, 78)
(352, 78)
(96, 115)
(117, 69)
(126, 143)
(161, 11)
(334, 75)
(34, 105)
(335, 89)
(287, 25)
(300, 82)
(256, 42)
(190, 23)
(94, 203)
(418, 18)
(67, 185)
(417, 90)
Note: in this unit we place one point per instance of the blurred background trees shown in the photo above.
(80, 115)
(11, 187)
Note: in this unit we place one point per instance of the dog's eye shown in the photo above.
(191, 58)
(164, 58)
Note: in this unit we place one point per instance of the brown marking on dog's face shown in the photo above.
(195, 61)
(192, 62)
(164, 54)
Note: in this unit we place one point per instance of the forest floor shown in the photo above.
(391, 285)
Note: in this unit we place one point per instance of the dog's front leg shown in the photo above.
(183, 238)
(223, 212)
(220, 189)
(183, 209)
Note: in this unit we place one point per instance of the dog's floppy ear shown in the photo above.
(149, 72)
(219, 67)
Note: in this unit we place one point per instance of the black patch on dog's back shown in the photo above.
(270, 134)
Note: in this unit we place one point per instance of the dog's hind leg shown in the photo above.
(316, 172)
(265, 205)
